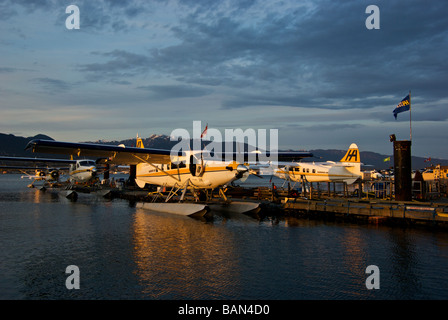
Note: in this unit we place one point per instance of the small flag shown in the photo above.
(404, 105)
(204, 133)
(386, 159)
(428, 159)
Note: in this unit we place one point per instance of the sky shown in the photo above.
(310, 69)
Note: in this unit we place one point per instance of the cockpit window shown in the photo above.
(87, 163)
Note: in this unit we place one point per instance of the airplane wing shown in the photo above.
(25, 163)
(328, 163)
(133, 155)
(27, 168)
(281, 164)
(113, 154)
(265, 157)
(293, 155)
(35, 160)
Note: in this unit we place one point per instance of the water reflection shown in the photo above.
(405, 272)
(354, 261)
(124, 252)
(181, 258)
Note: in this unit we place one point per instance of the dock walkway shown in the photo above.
(372, 210)
(280, 202)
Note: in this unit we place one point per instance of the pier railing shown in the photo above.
(363, 189)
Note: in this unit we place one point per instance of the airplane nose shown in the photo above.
(242, 168)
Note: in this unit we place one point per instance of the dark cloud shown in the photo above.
(319, 55)
(7, 69)
(14, 69)
(96, 16)
(310, 66)
(120, 64)
(325, 52)
(6, 11)
(162, 92)
(27, 5)
(52, 85)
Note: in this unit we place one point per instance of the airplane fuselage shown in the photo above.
(209, 175)
(347, 170)
(50, 176)
(322, 172)
(83, 171)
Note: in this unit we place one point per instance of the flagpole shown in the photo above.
(410, 119)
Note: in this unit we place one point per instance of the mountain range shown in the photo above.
(11, 145)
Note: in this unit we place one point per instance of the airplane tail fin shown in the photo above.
(353, 158)
(352, 154)
(139, 143)
(140, 166)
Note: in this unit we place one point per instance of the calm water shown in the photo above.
(128, 253)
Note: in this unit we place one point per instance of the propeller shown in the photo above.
(241, 170)
(54, 174)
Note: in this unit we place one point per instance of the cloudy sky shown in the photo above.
(310, 69)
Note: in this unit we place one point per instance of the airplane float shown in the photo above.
(80, 171)
(347, 170)
(193, 170)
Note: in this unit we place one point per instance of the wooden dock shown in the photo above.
(374, 211)
(279, 202)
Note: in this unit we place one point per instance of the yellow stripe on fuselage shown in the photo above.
(80, 171)
(176, 171)
(296, 174)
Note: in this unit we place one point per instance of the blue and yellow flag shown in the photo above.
(404, 105)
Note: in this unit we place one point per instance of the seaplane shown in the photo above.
(347, 170)
(80, 171)
(194, 170)
(49, 176)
